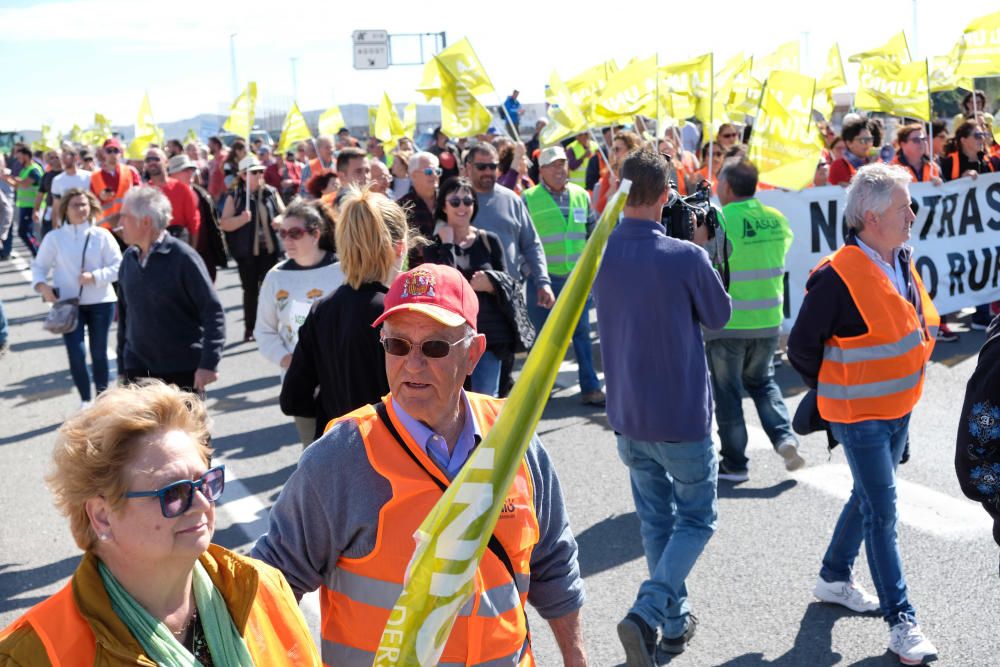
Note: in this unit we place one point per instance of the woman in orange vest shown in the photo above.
(718, 156)
(134, 475)
(624, 142)
(862, 339)
(966, 155)
(912, 154)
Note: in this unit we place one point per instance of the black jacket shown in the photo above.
(211, 239)
(340, 354)
(240, 241)
(977, 447)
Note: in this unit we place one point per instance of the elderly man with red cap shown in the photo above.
(345, 520)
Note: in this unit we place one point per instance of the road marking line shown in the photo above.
(921, 507)
(23, 267)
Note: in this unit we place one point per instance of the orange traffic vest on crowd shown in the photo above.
(357, 599)
(878, 375)
(274, 631)
(316, 167)
(111, 206)
(955, 157)
(925, 174)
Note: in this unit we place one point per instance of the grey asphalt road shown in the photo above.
(751, 589)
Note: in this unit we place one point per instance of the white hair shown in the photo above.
(417, 158)
(871, 190)
(148, 202)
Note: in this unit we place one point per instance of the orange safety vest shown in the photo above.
(112, 205)
(925, 174)
(316, 167)
(275, 633)
(880, 374)
(357, 598)
(955, 158)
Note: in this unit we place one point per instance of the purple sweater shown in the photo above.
(653, 294)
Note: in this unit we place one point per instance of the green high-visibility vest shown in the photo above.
(761, 237)
(25, 197)
(579, 175)
(563, 237)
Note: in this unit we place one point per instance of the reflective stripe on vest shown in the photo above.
(112, 206)
(563, 238)
(880, 374)
(357, 597)
(578, 176)
(24, 197)
(761, 238)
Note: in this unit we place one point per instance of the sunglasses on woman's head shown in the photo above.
(455, 202)
(295, 233)
(176, 498)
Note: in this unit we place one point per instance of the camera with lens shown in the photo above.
(682, 215)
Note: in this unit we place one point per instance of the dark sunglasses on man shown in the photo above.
(432, 349)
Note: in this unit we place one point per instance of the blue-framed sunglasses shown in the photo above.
(176, 498)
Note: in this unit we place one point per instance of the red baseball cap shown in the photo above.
(437, 291)
(112, 143)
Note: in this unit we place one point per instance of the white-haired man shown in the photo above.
(420, 202)
(171, 325)
(862, 340)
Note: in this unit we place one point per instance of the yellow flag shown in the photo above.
(453, 537)
(895, 50)
(901, 90)
(242, 111)
(695, 79)
(144, 119)
(410, 120)
(732, 84)
(587, 86)
(146, 131)
(293, 130)
(372, 113)
(462, 115)
(331, 121)
(982, 47)
(785, 145)
(628, 92)
(100, 132)
(461, 61)
(565, 116)
(944, 71)
(833, 77)
(50, 140)
(191, 137)
(784, 58)
(388, 125)
(76, 135)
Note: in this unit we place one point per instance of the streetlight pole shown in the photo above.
(232, 64)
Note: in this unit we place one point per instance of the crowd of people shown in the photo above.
(392, 290)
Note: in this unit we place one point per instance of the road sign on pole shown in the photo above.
(371, 49)
(370, 36)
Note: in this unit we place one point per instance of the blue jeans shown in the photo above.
(746, 363)
(582, 347)
(873, 449)
(26, 229)
(3, 326)
(674, 489)
(486, 375)
(97, 319)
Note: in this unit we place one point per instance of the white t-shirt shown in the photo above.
(64, 182)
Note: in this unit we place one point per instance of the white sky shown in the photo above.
(76, 57)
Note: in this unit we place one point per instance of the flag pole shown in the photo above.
(930, 114)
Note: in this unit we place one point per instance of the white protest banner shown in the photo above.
(955, 239)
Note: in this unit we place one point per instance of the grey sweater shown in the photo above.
(503, 213)
(330, 508)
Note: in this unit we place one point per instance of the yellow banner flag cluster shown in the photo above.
(456, 77)
(981, 56)
(331, 121)
(293, 130)
(887, 86)
(146, 131)
(242, 112)
(785, 145)
(566, 117)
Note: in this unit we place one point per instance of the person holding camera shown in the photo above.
(741, 356)
(653, 295)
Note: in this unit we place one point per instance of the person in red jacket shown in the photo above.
(186, 220)
(859, 136)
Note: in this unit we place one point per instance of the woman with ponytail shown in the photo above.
(338, 351)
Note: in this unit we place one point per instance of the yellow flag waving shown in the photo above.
(785, 145)
(695, 79)
(453, 537)
(895, 50)
(462, 115)
(49, 141)
(146, 131)
(628, 92)
(410, 120)
(566, 117)
(587, 86)
(463, 64)
(388, 125)
(191, 137)
(293, 130)
(241, 113)
(944, 71)
(331, 121)
(731, 85)
(982, 47)
(897, 89)
(833, 77)
(76, 135)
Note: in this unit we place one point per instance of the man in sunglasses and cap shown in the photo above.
(345, 520)
(112, 181)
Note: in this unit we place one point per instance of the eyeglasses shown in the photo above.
(432, 171)
(727, 135)
(980, 135)
(295, 233)
(432, 349)
(917, 139)
(111, 150)
(865, 140)
(176, 498)
(455, 202)
(152, 158)
(485, 166)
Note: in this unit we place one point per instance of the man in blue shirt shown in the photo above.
(513, 107)
(653, 294)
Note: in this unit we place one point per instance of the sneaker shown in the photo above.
(596, 398)
(907, 641)
(675, 645)
(85, 404)
(790, 452)
(638, 640)
(945, 334)
(977, 325)
(847, 594)
(732, 474)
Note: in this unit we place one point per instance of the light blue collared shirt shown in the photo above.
(434, 444)
(896, 274)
